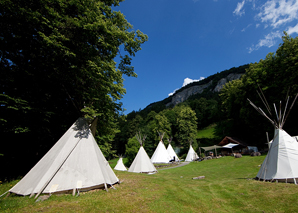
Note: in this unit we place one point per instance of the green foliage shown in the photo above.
(132, 148)
(57, 61)
(275, 75)
(186, 126)
(161, 116)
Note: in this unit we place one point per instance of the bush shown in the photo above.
(132, 148)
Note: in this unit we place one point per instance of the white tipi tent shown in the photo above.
(142, 163)
(120, 166)
(160, 154)
(281, 161)
(191, 155)
(75, 162)
(171, 151)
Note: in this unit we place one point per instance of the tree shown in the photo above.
(57, 61)
(132, 148)
(186, 126)
(275, 75)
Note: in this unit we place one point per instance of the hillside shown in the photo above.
(212, 84)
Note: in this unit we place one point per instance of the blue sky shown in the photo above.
(193, 39)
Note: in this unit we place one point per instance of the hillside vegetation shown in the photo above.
(276, 76)
(207, 132)
(228, 187)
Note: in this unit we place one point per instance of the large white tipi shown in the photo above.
(142, 163)
(191, 155)
(281, 161)
(74, 163)
(120, 166)
(161, 154)
(171, 151)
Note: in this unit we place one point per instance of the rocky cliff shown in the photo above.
(183, 95)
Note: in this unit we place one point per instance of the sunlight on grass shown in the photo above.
(228, 187)
(207, 132)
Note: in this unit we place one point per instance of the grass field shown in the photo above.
(228, 187)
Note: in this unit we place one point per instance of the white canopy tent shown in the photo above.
(230, 145)
(208, 148)
(75, 162)
(120, 166)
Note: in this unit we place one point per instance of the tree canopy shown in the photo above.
(58, 62)
(277, 77)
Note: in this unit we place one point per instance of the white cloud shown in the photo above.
(185, 82)
(172, 93)
(244, 29)
(278, 12)
(188, 81)
(238, 11)
(268, 41)
(292, 30)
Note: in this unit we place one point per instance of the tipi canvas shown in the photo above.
(191, 155)
(75, 162)
(171, 151)
(142, 163)
(281, 161)
(160, 154)
(120, 166)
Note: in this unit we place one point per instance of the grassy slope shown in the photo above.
(207, 132)
(227, 187)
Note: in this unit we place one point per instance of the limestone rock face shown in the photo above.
(183, 95)
(223, 81)
(186, 93)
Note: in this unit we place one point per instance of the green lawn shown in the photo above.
(228, 187)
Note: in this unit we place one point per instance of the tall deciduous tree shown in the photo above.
(186, 126)
(57, 62)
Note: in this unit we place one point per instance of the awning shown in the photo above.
(207, 148)
(230, 145)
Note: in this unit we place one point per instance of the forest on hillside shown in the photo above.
(276, 76)
(57, 63)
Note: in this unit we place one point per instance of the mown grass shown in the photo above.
(228, 187)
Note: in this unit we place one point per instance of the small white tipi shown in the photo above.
(120, 166)
(74, 163)
(281, 161)
(171, 151)
(142, 163)
(160, 154)
(191, 155)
